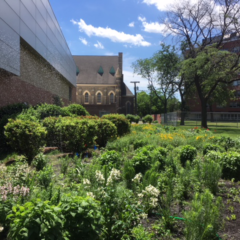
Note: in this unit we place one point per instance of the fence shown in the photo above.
(216, 119)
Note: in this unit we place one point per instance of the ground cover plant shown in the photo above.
(150, 182)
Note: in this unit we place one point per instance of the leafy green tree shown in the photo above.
(161, 71)
(198, 25)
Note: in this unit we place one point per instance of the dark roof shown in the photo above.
(125, 91)
(90, 65)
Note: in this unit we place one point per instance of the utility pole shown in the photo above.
(135, 93)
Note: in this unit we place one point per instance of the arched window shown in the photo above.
(86, 97)
(111, 98)
(99, 97)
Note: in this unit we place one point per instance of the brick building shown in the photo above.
(35, 61)
(100, 86)
(231, 42)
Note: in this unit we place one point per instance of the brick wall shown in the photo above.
(38, 81)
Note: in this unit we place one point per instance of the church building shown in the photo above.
(100, 86)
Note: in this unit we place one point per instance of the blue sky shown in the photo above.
(107, 27)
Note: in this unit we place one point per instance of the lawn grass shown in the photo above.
(220, 128)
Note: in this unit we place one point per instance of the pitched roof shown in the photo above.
(90, 65)
(125, 91)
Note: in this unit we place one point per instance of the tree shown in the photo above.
(161, 71)
(200, 24)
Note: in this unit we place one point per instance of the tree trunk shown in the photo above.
(165, 112)
(212, 117)
(204, 115)
(183, 113)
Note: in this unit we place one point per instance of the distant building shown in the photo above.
(100, 86)
(35, 61)
(231, 42)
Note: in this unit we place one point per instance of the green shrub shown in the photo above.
(36, 220)
(105, 131)
(130, 117)
(225, 142)
(76, 135)
(76, 109)
(82, 218)
(128, 173)
(45, 176)
(211, 147)
(187, 153)
(50, 110)
(203, 218)
(211, 174)
(142, 160)
(12, 109)
(25, 137)
(110, 159)
(147, 119)
(136, 119)
(53, 137)
(230, 163)
(122, 124)
(40, 161)
(138, 143)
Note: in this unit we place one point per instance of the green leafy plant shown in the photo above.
(45, 176)
(211, 147)
(122, 124)
(203, 219)
(25, 137)
(40, 161)
(187, 153)
(110, 159)
(147, 119)
(230, 163)
(105, 131)
(76, 109)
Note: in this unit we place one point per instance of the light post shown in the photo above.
(135, 93)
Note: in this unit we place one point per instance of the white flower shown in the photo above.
(1, 229)
(153, 202)
(114, 175)
(137, 178)
(151, 190)
(140, 195)
(143, 216)
(86, 181)
(99, 176)
(90, 194)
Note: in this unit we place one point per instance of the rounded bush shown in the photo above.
(211, 147)
(25, 137)
(187, 153)
(130, 117)
(47, 110)
(76, 135)
(230, 163)
(111, 159)
(105, 131)
(147, 119)
(121, 122)
(77, 109)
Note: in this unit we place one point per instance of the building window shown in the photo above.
(86, 98)
(111, 98)
(99, 98)
(236, 83)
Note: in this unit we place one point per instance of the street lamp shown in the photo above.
(135, 93)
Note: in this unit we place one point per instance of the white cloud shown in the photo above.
(99, 45)
(111, 34)
(131, 24)
(154, 27)
(84, 41)
(165, 5)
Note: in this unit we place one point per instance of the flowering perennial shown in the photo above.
(114, 175)
(15, 191)
(137, 178)
(99, 176)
